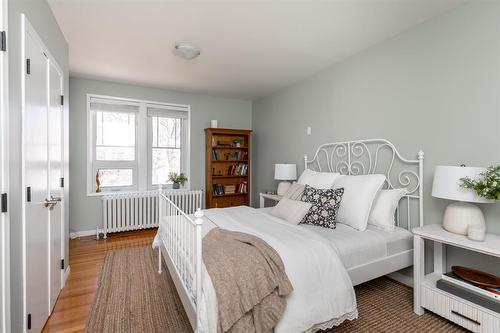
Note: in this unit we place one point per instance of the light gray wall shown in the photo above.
(85, 212)
(41, 18)
(435, 87)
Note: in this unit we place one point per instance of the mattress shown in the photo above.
(360, 247)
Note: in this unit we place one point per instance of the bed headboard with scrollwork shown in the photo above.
(377, 156)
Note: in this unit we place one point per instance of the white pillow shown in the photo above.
(319, 180)
(291, 211)
(357, 201)
(295, 192)
(384, 208)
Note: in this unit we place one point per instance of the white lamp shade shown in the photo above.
(285, 171)
(446, 184)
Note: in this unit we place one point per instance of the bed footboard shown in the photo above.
(181, 242)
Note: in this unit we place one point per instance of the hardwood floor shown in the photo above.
(86, 256)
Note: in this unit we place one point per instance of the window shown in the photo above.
(167, 130)
(134, 145)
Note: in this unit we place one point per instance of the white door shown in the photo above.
(43, 156)
(36, 181)
(55, 119)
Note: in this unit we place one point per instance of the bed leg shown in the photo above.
(159, 260)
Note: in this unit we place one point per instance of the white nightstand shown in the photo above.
(273, 197)
(426, 295)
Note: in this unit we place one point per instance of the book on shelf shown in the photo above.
(218, 189)
(230, 189)
(237, 170)
(242, 187)
(485, 291)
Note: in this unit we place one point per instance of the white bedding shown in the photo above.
(360, 247)
(323, 295)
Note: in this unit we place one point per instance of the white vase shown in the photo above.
(459, 216)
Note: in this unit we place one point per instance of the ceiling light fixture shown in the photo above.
(186, 50)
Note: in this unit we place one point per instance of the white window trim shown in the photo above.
(142, 174)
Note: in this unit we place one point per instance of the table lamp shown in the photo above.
(285, 173)
(460, 215)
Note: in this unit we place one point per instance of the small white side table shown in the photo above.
(264, 196)
(426, 295)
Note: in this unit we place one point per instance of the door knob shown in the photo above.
(55, 198)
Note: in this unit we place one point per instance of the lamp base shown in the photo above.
(283, 188)
(458, 216)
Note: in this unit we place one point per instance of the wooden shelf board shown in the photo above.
(229, 195)
(229, 161)
(222, 147)
(229, 176)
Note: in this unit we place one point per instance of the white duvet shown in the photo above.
(323, 295)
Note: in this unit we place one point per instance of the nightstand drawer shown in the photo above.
(459, 311)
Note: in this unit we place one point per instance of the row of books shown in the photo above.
(234, 156)
(237, 170)
(219, 189)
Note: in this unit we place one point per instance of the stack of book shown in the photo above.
(229, 189)
(237, 170)
(481, 295)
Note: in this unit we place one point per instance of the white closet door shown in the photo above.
(55, 118)
(36, 181)
(4, 227)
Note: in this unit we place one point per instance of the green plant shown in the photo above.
(237, 140)
(487, 185)
(179, 178)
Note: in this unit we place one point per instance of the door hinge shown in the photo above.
(29, 321)
(28, 66)
(4, 202)
(28, 194)
(62, 99)
(61, 184)
(62, 263)
(3, 42)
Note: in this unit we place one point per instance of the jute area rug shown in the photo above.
(133, 297)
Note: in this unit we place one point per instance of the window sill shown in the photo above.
(101, 194)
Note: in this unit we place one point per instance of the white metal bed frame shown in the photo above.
(363, 157)
(181, 241)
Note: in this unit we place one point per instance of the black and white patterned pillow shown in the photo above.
(325, 205)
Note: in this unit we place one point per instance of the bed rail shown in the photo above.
(182, 242)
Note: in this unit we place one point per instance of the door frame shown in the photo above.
(26, 27)
(4, 174)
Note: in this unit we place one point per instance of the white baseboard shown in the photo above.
(83, 233)
(67, 271)
(401, 278)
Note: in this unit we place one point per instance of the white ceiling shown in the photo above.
(248, 48)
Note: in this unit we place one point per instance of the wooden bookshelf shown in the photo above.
(227, 170)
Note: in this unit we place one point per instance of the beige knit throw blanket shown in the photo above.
(249, 280)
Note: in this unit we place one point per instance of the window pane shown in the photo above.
(115, 136)
(116, 177)
(165, 161)
(166, 132)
